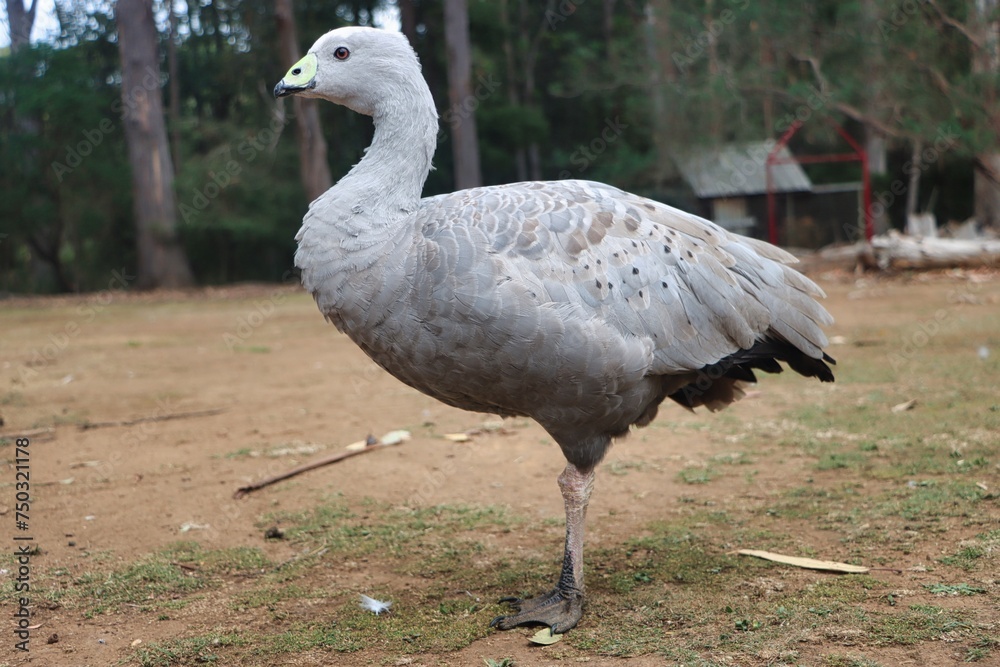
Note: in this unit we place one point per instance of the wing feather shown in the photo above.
(688, 290)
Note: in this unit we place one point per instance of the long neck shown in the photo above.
(389, 179)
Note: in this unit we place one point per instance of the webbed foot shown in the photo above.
(560, 610)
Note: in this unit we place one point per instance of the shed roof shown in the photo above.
(733, 170)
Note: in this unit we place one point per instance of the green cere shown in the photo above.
(302, 72)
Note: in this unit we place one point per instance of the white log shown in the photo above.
(896, 251)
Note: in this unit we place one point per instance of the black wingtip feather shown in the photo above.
(765, 356)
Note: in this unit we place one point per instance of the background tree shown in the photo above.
(461, 116)
(984, 37)
(315, 171)
(161, 259)
(20, 20)
(608, 90)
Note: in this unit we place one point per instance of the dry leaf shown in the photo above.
(457, 437)
(355, 446)
(545, 637)
(808, 563)
(903, 407)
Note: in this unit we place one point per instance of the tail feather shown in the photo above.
(720, 384)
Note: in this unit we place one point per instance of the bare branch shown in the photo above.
(956, 24)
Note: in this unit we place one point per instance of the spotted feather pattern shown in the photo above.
(572, 302)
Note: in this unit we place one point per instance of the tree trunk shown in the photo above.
(175, 90)
(464, 144)
(913, 188)
(986, 181)
(662, 76)
(315, 170)
(714, 70)
(20, 21)
(408, 20)
(520, 157)
(873, 62)
(162, 262)
(986, 60)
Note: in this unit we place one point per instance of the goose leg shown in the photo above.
(562, 607)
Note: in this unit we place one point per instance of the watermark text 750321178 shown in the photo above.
(22, 543)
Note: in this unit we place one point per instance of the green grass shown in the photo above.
(856, 483)
(166, 579)
(697, 474)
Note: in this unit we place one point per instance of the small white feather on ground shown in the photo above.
(373, 605)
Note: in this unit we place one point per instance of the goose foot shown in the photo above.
(559, 609)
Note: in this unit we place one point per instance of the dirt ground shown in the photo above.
(289, 389)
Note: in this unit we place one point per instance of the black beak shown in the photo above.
(284, 90)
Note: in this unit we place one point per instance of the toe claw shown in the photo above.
(556, 609)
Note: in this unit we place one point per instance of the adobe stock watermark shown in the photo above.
(86, 313)
(435, 479)
(696, 45)
(586, 154)
(261, 312)
(94, 137)
(897, 17)
(944, 141)
(915, 340)
(218, 180)
(459, 112)
(815, 101)
(555, 15)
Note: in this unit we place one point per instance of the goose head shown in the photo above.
(363, 69)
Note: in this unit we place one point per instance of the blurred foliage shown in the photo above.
(602, 90)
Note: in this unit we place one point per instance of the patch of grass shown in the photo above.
(981, 648)
(269, 597)
(154, 581)
(697, 474)
(253, 349)
(835, 660)
(14, 399)
(189, 651)
(384, 529)
(976, 553)
(621, 468)
(242, 453)
(916, 624)
(954, 589)
(502, 662)
(839, 460)
(930, 499)
(966, 558)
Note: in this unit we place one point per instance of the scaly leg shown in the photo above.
(562, 607)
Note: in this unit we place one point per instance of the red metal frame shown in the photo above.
(858, 155)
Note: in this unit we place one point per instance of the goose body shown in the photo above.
(571, 302)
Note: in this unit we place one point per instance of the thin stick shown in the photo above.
(339, 456)
(36, 435)
(156, 418)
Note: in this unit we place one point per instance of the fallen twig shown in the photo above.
(318, 551)
(371, 444)
(156, 418)
(35, 435)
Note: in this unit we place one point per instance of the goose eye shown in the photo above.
(341, 53)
